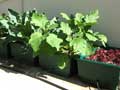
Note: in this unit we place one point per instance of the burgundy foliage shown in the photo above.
(108, 56)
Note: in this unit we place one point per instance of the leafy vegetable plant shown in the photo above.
(79, 37)
(107, 56)
(31, 28)
(3, 30)
(72, 36)
(16, 27)
(45, 31)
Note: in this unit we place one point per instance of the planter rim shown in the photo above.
(101, 63)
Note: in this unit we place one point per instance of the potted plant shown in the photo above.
(101, 68)
(81, 41)
(18, 30)
(46, 44)
(78, 38)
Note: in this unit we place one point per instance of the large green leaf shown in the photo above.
(102, 38)
(52, 24)
(76, 44)
(35, 42)
(81, 46)
(66, 28)
(4, 23)
(25, 17)
(63, 61)
(69, 38)
(92, 18)
(65, 16)
(39, 20)
(13, 15)
(54, 41)
(78, 20)
(79, 34)
(91, 37)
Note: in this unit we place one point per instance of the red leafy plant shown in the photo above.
(111, 56)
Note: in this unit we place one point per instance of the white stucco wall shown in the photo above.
(109, 22)
(13, 4)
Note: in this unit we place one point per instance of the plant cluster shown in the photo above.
(16, 27)
(80, 38)
(30, 28)
(108, 56)
(73, 35)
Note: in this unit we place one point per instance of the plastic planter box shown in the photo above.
(3, 48)
(56, 63)
(21, 53)
(105, 75)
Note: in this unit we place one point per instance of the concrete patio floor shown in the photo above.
(11, 80)
(17, 81)
(19, 76)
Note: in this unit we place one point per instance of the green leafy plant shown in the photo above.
(31, 28)
(72, 36)
(79, 37)
(16, 27)
(45, 31)
(3, 25)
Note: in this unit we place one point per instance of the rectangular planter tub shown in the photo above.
(21, 54)
(56, 63)
(99, 74)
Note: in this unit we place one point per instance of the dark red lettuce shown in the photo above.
(107, 56)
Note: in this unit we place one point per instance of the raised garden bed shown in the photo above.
(99, 74)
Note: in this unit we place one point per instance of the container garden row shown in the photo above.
(27, 39)
(64, 47)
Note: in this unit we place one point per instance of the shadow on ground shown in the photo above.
(36, 72)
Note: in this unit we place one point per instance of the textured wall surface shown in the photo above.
(14, 4)
(109, 22)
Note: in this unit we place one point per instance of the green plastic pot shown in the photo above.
(99, 74)
(3, 48)
(56, 63)
(21, 53)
